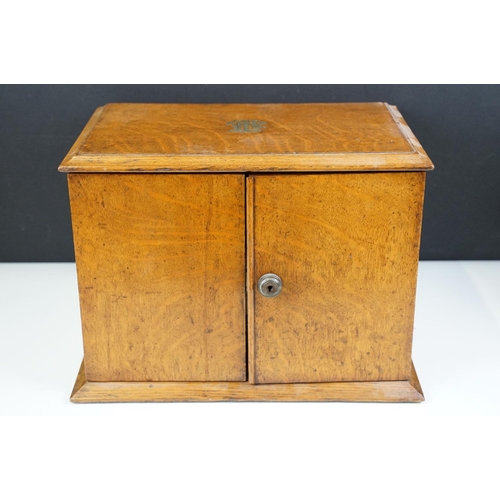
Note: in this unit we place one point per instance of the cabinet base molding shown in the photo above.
(138, 392)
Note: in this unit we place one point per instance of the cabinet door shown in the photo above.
(346, 248)
(161, 274)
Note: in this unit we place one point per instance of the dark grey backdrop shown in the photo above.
(458, 126)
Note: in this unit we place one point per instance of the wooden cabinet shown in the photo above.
(179, 210)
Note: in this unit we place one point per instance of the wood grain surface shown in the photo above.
(161, 275)
(178, 209)
(346, 247)
(250, 271)
(202, 137)
(113, 392)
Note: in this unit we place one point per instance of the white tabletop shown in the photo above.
(456, 348)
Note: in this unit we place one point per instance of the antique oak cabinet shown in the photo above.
(249, 252)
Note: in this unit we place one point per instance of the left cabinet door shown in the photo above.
(161, 275)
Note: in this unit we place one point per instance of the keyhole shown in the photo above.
(269, 285)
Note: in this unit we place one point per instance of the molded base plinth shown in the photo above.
(115, 392)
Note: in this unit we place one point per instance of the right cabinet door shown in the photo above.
(346, 247)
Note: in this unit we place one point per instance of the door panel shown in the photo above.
(161, 272)
(346, 247)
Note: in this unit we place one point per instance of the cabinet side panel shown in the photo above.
(161, 275)
(346, 247)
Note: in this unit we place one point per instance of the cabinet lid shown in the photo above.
(246, 138)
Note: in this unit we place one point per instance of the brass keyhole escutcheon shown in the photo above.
(270, 285)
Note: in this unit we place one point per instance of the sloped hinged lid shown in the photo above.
(246, 137)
